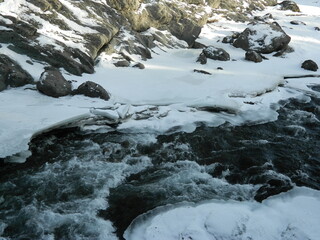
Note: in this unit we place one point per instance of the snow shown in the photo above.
(292, 215)
(168, 82)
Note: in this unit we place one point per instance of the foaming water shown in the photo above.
(93, 184)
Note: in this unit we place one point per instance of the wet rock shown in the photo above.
(216, 53)
(273, 187)
(295, 22)
(139, 65)
(11, 74)
(253, 56)
(317, 28)
(53, 84)
(93, 90)
(122, 63)
(263, 38)
(289, 5)
(310, 65)
(202, 59)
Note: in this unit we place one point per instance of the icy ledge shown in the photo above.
(292, 215)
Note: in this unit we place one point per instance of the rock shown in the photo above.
(11, 74)
(139, 65)
(272, 187)
(53, 84)
(283, 51)
(216, 53)
(253, 56)
(317, 28)
(263, 18)
(230, 39)
(202, 59)
(122, 63)
(92, 89)
(263, 38)
(295, 22)
(197, 45)
(201, 71)
(309, 65)
(289, 5)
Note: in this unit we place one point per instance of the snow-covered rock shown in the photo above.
(92, 89)
(263, 38)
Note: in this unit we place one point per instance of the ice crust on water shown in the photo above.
(293, 215)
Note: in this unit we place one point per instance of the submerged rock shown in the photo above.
(92, 89)
(11, 74)
(53, 84)
(310, 65)
(216, 53)
(263, 38)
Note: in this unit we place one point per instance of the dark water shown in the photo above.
(87, 185)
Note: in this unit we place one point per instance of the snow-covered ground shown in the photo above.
(170, 83)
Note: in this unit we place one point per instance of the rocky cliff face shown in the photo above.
(71, 34)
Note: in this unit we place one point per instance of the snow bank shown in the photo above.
(291, 215)
(244, 92)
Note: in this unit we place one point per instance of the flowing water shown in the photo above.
(92, 184)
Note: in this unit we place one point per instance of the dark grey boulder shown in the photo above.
(216, 53)
(92, 89)
(122, 63)
(253, 56)
(53, 84)
(202, 59)
(263, 38)
(317, 28)
(139, 65)
(289, 5)
(11, 74)
(295, 22)
(310, 65)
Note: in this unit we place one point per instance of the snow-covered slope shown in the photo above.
(243, 90)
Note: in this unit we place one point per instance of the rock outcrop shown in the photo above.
(11, 74)
(71, 34)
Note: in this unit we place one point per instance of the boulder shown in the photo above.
(202, 59)
(317, 28)
(92, 89)
(310, 65)
(53, 84)
(11, 74)
(216, 53)
(289, 5)
(295, 22)
(253, 56)
(122, 63)
(263, 38)
(139, 65)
